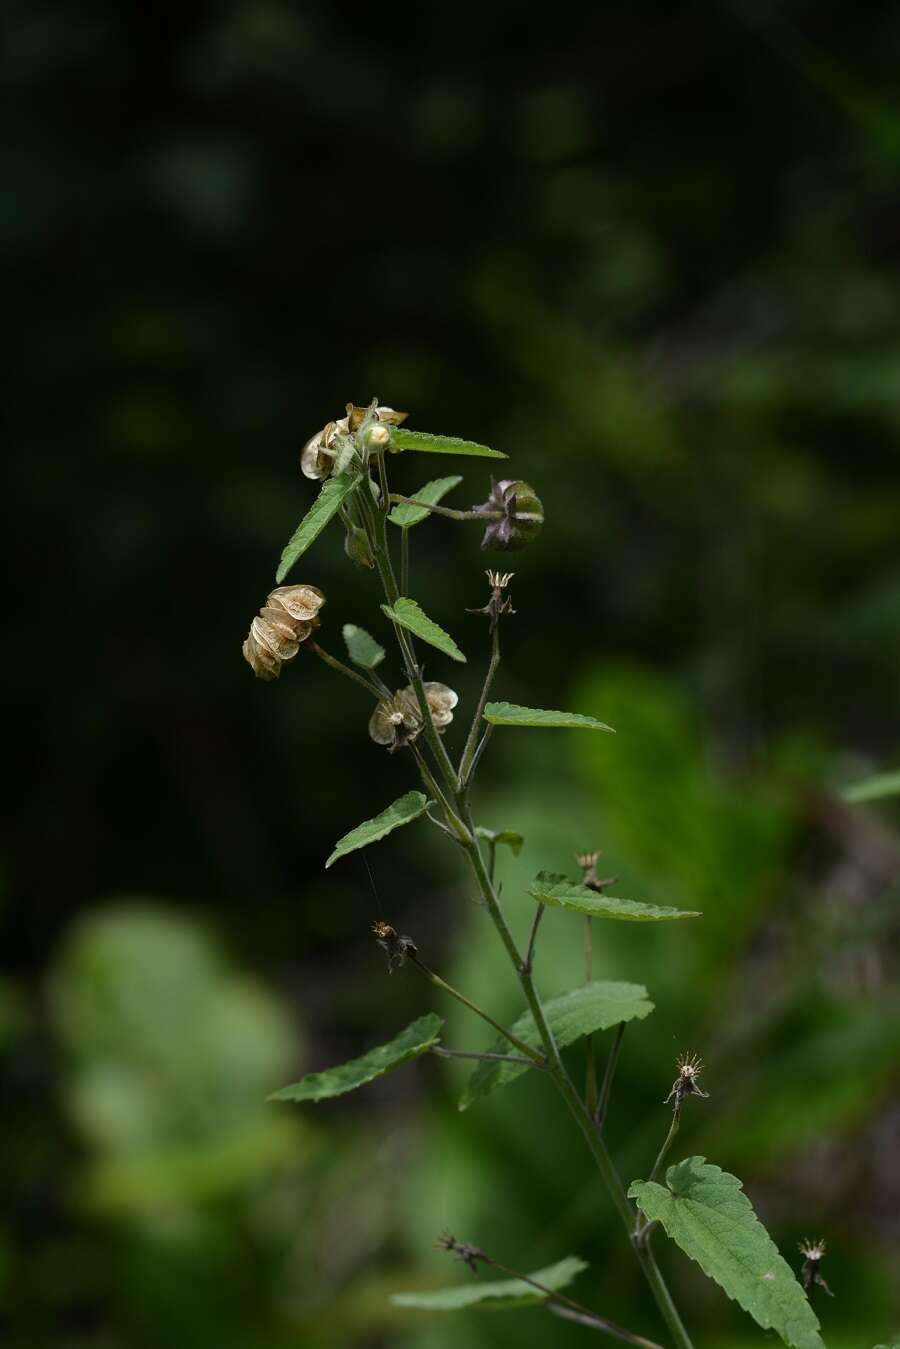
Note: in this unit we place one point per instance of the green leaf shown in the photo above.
(404, 810)
(362, 649)
(500, 1293)
(594, 1006)
(510, 714)
(408, 614)
(416, 1040)
(565, 894)
(508, 836)
(432, 492)
(705, 1212)
(326, 505)
(403, 439)
(872, 789)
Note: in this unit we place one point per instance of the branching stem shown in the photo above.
(445, 510)
(343, 669)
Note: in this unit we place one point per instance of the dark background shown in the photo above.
(650, 252)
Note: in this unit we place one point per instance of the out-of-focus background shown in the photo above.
(651, 252)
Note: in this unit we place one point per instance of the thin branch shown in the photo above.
(669, 1140)
(591, 1097)
(609, 1073)
(491, 1058)
(404, 561)
(594, 1322)
(446, 510)
(528, 964)
(468, 755)
(342, 668)
(533, 1055)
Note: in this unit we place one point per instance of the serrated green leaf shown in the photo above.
(404, 439)
(872, 789)
(592, 1007)
(409, 615)
(432, 492)
(510, 714)
(565, 894)
(705, 1212)
(509, 837)
(416, 1040)
(362, 649)
(500, 1293)
(325, 506)
(403, 811)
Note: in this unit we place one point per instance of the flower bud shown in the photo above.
(357, 546)
(377, 437)
(286, 620)
(522, 515)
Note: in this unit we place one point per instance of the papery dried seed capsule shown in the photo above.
(316, 457)
(285, 621)
(393, 724)
(522, 515)
(441, 702)
(390, 416)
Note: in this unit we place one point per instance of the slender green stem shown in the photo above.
(533, 1055)
(608, 1075)
(342, 668)
(565, 1086)
(468, 754)
(457, 829)
(488, 1058)
(591, 1096)
(404, 562)
(528, 962)
(576, 1311)
(445, 510)
(669, 1140)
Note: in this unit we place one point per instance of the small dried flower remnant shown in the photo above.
(810, 1274)
(499, 603)
(686, 1084)
(463, 1250)
(589, 878)
(287, 618)
(398, 948)
(397, 721)
(522, 515)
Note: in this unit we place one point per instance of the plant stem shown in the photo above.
(528, 963)
(446, 510)
(343, 669)
(590, 1087)
(577, 1109)
(404, 562)
(457, 829)
(669, 1140)
(533, 1055)
(608, 1074)
(491, 1058)
(594, 1322)
(466, 763)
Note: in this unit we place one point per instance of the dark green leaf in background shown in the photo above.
(416, 1040)
(499, 1294)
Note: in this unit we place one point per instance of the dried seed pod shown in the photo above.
(286, 620)
(522, 515)
(397, 721)
(316, 458)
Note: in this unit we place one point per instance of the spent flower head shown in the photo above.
(463, 1250)
(285, 621)
(499, 602)
(810, 1274)
(589, 878)
(398, 948)
(690, 1066)
(520, 511)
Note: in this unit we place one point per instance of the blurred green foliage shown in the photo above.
(651, 254)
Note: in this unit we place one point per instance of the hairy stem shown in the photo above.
(591, 1097)
(476, 1054)
(404, 562)
(669, 1140)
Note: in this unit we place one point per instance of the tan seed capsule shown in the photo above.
(286, 620)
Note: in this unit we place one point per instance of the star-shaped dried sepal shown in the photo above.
(687, 1082)
(519, 513)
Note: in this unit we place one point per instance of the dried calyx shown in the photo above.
(463, 1250)
(329, 450)
(398, 948)
(811, 1275)
(589, 878)
(521, 515)
(686, 1083)
(499, 603)
(397, 721)
(285, 621)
